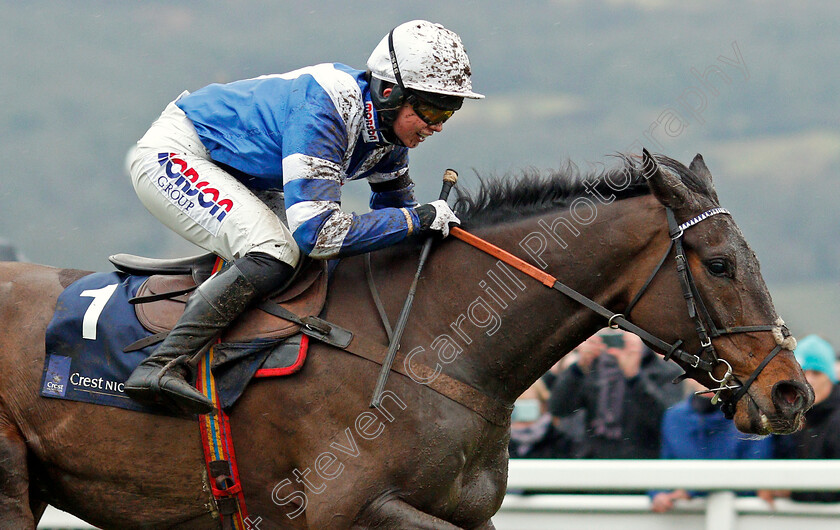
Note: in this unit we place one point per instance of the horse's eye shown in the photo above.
(718, 267)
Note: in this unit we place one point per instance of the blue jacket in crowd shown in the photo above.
(693, 429)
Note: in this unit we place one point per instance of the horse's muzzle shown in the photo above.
(791, 399)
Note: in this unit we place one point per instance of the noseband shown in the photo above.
(706, 359)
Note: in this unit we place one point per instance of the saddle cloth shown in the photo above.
(93, 322)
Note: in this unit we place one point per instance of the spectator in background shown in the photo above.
(623, 388)
(532, 432)
(696, 429)
(9, 252)
(820, 438)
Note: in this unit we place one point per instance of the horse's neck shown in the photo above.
(511, 328)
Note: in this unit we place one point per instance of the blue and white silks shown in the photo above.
(307, 132)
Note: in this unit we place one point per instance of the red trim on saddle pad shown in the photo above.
(278, 372)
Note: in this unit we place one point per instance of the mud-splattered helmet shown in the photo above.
(422, 60)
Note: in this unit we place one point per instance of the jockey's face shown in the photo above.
(409, 127)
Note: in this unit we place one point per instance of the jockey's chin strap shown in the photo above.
(706, 359)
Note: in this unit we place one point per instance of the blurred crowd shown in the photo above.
(8, 252)
(612, 397)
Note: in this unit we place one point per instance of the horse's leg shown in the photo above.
(15, 511)
(396, 513)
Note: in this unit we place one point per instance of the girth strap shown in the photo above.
(489, 408)
(311, 326)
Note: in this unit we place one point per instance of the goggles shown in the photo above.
(427, 112)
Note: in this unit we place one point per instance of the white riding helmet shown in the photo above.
(428, 57)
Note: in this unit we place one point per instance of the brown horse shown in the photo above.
(313, 455)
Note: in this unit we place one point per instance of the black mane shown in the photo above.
(507, 197)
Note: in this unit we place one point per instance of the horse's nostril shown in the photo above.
(789, 396)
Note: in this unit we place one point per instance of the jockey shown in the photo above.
(224, 165)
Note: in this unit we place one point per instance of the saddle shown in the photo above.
(160, 300)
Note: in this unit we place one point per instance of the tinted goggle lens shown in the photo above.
(429, 113)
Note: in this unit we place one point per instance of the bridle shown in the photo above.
(706, 359)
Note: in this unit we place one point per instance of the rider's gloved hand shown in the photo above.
(436, 217)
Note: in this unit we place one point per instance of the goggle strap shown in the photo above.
(396, 67)
(393, 54)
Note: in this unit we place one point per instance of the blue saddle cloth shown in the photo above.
(93, 322)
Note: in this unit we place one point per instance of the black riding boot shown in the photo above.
(162, 377)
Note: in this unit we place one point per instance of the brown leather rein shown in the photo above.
(706, 359)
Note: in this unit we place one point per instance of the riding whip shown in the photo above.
(450, 177)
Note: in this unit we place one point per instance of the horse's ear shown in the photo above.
(665, 185)
(699, 167)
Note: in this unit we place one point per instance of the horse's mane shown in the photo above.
(509, 197)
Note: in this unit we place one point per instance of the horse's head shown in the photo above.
(732, 338)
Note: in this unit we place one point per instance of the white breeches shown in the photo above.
(179, 184)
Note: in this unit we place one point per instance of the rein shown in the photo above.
(706, 359)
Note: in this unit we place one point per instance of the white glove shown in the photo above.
(436, 216)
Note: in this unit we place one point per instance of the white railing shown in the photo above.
(721, 510)
(706, 475)
(55, 519)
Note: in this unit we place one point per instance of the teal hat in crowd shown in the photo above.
(815, 353)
